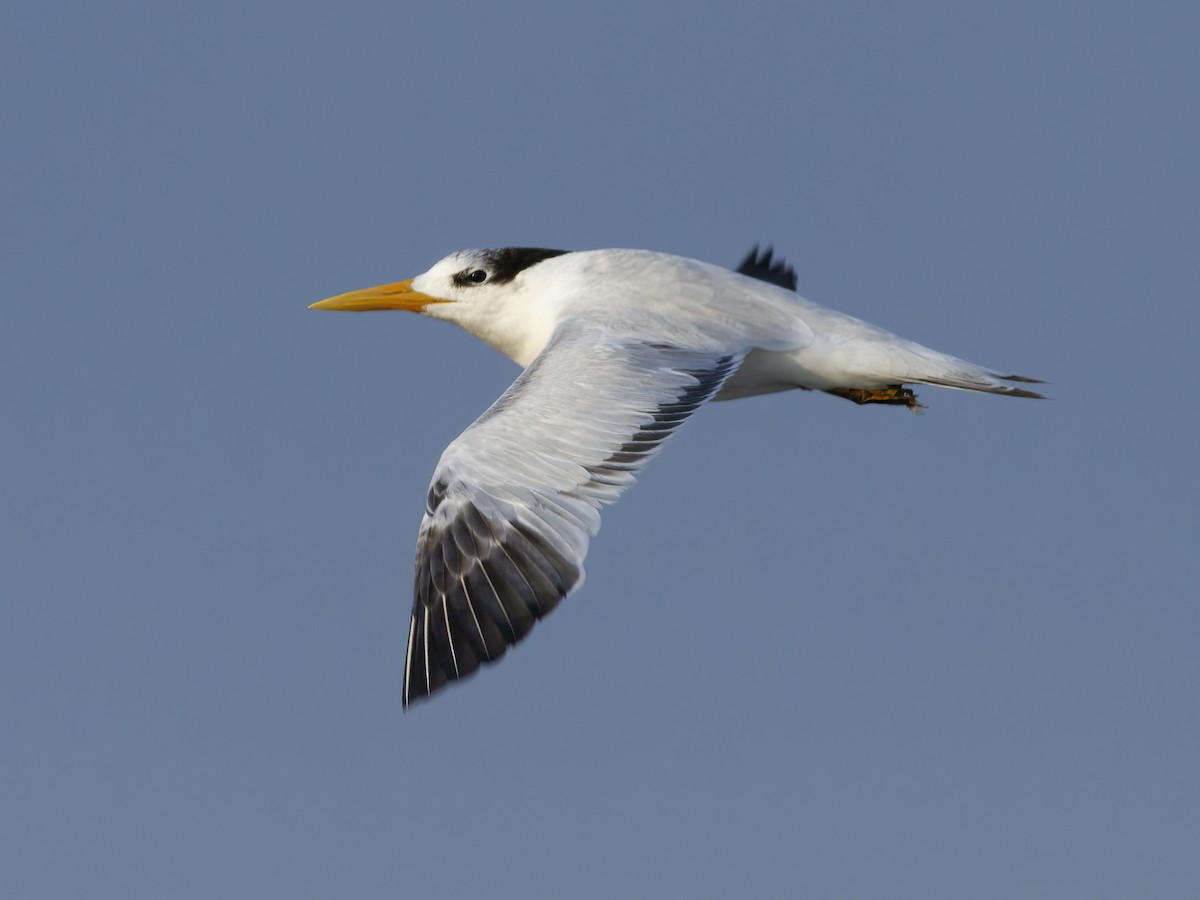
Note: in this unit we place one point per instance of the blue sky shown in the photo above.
(823, 650)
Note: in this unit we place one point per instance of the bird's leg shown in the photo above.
(892, 395)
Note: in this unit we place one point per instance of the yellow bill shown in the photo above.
(385, 296)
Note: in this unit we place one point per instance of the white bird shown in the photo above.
(618, 348)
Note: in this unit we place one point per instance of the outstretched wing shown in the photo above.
(516, 497)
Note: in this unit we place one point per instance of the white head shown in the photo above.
(486, 292)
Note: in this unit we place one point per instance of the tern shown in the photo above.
(618, 348)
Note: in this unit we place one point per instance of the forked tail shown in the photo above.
(966, 377)
(925, 366)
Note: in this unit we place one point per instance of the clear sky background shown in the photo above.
(823, 651)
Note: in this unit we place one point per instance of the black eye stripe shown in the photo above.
(503, 265)
(470, 276)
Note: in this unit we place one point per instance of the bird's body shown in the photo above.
(789, 341)
(618, 347)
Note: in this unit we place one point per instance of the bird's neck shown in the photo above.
(518, 330)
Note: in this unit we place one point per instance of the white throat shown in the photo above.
(517, 322)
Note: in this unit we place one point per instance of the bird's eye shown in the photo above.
(477, 276)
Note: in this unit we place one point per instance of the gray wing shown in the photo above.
(516, 497)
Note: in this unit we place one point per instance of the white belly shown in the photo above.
(816, 367)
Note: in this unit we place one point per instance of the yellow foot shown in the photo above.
(892, 395)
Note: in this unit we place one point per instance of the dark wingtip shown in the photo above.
(1023, 379)
(1019, 392)
(764, 268)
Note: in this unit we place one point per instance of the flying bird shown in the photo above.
(618, 348)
